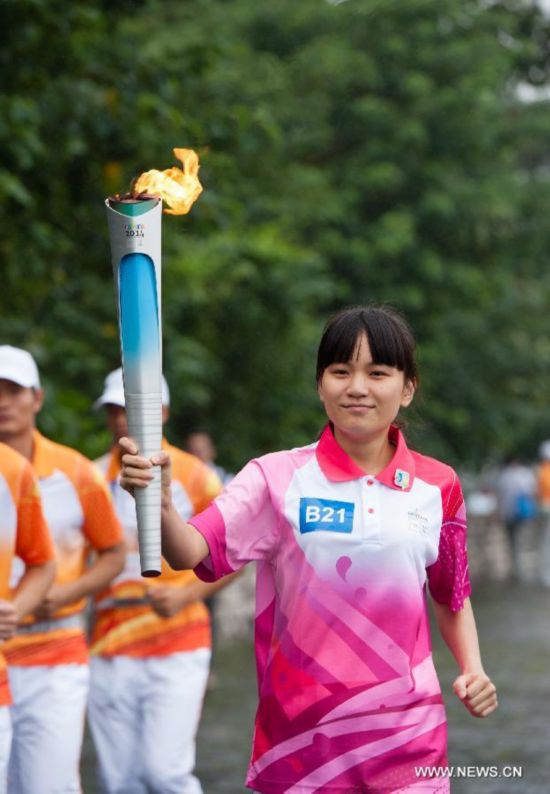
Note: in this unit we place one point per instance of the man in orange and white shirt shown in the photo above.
(23, 532)
(48, 657)
(151, 640)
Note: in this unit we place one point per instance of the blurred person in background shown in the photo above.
(23, 533)
(200, 443)
(48, 657)
(543, 491)
(151, 640)
(516, 492)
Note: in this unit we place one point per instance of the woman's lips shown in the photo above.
(358, 408)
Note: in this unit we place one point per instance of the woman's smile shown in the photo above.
(358, 408)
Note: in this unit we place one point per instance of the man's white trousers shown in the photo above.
(5, 744)
(47, 715)
(144, 715)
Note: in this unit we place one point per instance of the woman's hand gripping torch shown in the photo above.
(135, 236)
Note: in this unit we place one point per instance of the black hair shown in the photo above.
(390, 338)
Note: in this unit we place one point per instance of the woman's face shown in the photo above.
(361, 398)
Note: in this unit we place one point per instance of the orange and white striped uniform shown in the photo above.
(126, 624)
(48, 660)
(81, 518)
(133, 648)
(23, 532)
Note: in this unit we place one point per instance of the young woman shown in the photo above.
(348, 533)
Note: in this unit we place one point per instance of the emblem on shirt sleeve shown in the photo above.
(325, 514)
(401, 478)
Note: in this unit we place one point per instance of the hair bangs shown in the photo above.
(386, 344)
(390, 339)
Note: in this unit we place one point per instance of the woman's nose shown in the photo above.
(358, 384)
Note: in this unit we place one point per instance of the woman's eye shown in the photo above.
(377, 373)
(340, 371)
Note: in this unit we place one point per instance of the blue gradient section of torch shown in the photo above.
(139, 318)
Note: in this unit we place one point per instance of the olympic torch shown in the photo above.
(135, 237)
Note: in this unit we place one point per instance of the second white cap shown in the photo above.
(113, 391)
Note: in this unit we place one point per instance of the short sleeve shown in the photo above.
(33, 542)
(239, 526)
(448, 576)
(101, 525)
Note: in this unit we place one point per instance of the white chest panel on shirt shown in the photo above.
(360, 525)
(63, 511)
(8, 516)
(64, 517)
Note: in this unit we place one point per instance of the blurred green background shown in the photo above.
(365, 150)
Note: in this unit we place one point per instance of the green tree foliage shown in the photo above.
(350, 152)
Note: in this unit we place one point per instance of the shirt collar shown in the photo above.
(42, 463)
(337, 465)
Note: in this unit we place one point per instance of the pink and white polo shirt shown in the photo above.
(349, 700)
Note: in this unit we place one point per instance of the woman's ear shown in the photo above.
(408, 393)
(320, 391)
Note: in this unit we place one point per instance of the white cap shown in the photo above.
(18, 366)
(113, 391)
(544, 450)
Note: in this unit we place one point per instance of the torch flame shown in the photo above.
(179, 189)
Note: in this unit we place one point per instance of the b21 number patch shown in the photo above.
(325, 514)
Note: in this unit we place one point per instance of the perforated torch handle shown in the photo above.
(144, 413)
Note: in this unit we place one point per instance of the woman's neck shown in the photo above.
(372, 455)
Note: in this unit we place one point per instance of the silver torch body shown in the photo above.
(135, 237)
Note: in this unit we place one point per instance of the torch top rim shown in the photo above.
(131, 205)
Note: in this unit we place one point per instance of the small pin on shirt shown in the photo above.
(401, 478)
